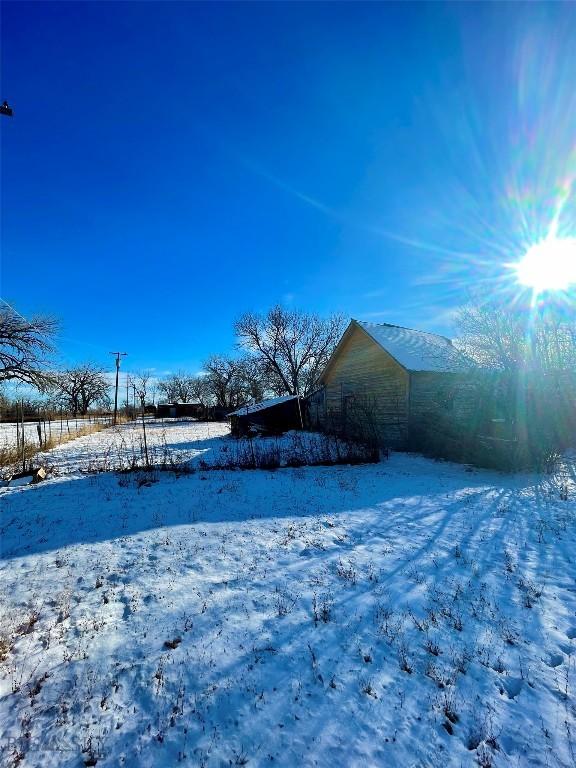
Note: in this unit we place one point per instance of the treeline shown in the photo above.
(279, 352)
(75, 391)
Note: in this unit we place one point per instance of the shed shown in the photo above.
(272, 416)
(391, 385)
(179, 410)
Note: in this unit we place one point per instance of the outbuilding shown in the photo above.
(179, 410)
(395, 387)
(272, 417)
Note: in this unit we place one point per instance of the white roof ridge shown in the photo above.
(416, 350)
(405, 328)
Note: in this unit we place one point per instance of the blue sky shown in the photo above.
(170, 165)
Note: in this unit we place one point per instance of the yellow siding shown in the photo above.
(363, 383)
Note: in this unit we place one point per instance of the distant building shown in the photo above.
(272, 416)
(179, 410)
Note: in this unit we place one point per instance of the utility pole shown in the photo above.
(118, 356)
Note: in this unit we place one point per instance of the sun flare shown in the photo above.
(550, 265)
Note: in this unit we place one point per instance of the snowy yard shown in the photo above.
(408, 613)
(117, 447)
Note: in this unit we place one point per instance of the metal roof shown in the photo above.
(254, 407)
(416, 350)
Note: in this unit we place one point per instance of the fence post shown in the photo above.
(23, 441)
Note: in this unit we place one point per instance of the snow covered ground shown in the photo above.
(181, 443)
(408, 613)
(117, 447)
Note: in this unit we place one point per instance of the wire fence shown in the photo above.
(45, 430)
(22, 439)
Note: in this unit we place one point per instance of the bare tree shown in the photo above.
(291, 347)
(168, 388)
(511, 338)
(4, 401)
(25, 347)
(201, 390)
(526, 377)
(225, 379)
(81, 387)
(141, 382)
(251, 378)
(153, 389)
(178, 387)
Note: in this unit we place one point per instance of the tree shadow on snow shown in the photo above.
(426, 499)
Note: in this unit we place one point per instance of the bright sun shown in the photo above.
(550, 265)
